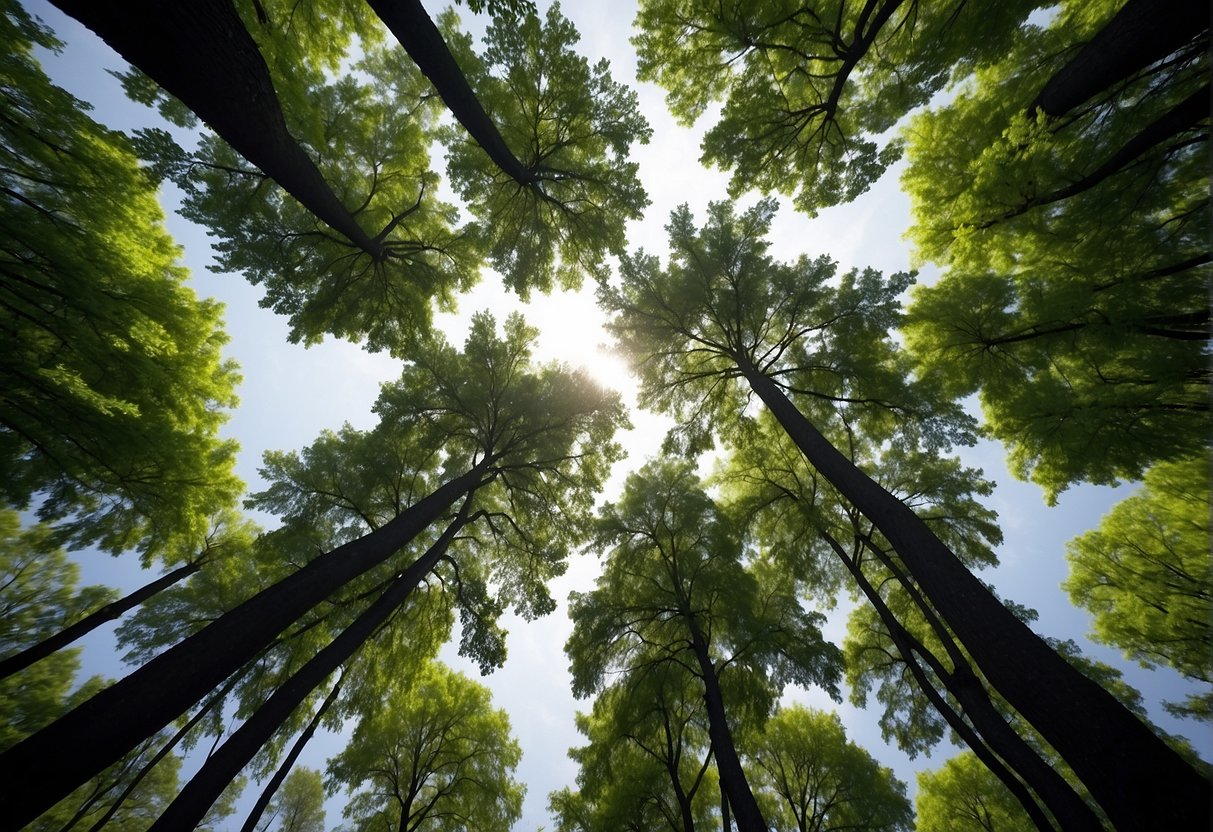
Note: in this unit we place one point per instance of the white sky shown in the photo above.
(290, 393)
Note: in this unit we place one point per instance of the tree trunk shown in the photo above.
(163, 752)
(37, 773)
(1070, 809)
(201, 53)
(1142, 32)
(109, 612)
(191, 805)
(983, 746)
(267, 794)
(728, 764)
(1140, 782)
(408, 21)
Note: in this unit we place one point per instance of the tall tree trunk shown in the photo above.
(911, 650)
(1067, 806)
(201, 53)
(191, 805)
(1142, 32)
(412, 26)
(1140, 782)
(37, 773)
(288, 762)
(164, 750)
(109, 612)
(732, 775)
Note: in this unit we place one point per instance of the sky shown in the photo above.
(289, 394)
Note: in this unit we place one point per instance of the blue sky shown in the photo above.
(289, 394)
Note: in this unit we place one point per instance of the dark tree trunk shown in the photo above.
(201, 53)
(1142, 32)
(728, 764)
(191, 805)
(1140, 782)
(37, 773)
(990, 742)
(93, 620)
(163, 752)
(1070, 810)
(408, 21)
(288, 762)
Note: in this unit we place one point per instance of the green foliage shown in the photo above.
(1145, 576)
(647, 761)
(299, 804)
(114, 389)
(808, 88)
(1074, 297)
(810, 776)
(369, 131)
(572, 128)
(431, 753)
(963, 796)
(723, 303)
(676, 573)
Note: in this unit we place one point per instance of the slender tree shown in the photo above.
(432, 753)
(807, 769)
(674, 589)
(724, 310)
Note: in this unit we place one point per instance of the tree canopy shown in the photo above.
(1055, 174)
(114, 385)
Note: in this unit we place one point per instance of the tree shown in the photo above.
(675, 589)
(1144, 575)
(896, 643)
(432, 754)
(540, 437)
(204, 56)
(648, 761)
(963, 795)
(299, 806)
(573, 128)
(722, 311)
(114, 387)
(1076, 253)
(811, 777)
(807, 88)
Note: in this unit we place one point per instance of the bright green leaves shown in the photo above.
(807, 89)
(114, 386)
(1077, 254)
(572, 128)
(1145, 575)
(810, 776)
(299, 804)
(431, 753)
(963, 795)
